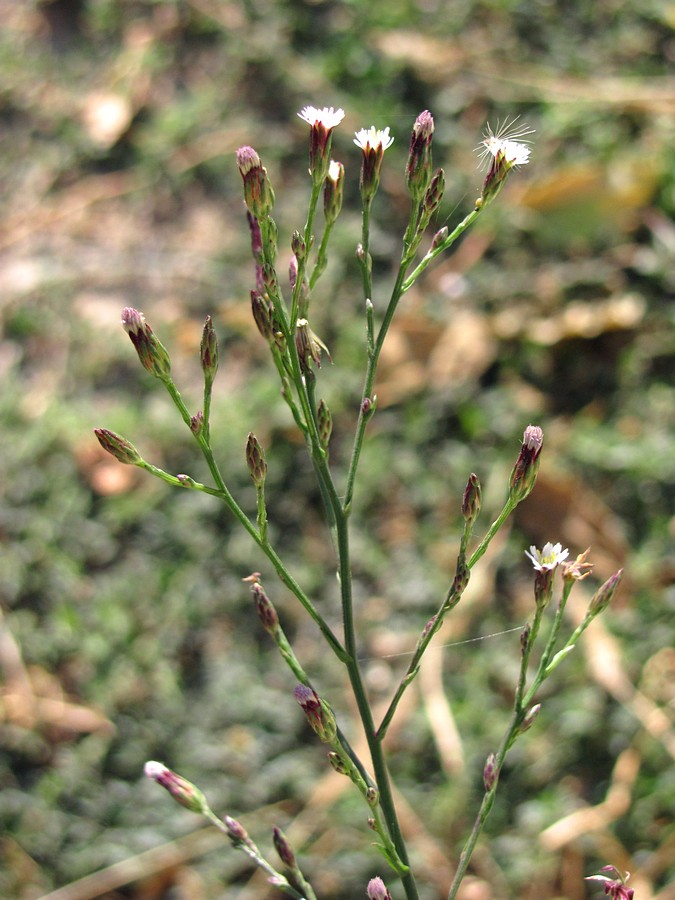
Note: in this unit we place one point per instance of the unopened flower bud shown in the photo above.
(461, 579)
(603, 596)
(255, 460)
(197, 423)
(119, 447)
(298, 247)
(438, 238)
(258, 192)
(283, 848)
(209, 350)
(269, 279)
(151, 352)
(337, 763)
(368, 405)
(377, 890)
(262, 315)
(333, 190)
(530, 716)
(490, 772)
(236, 831)
(525, 639)
(418, 166)
(372, 796)
(181, 790)
(266, 611)
(318, 714)
(325, 423)
(524, 472)
(434, 193)
(256, 237)
(472, 499)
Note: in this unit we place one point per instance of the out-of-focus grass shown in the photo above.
(127, 631)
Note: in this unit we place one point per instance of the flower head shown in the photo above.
(322, 122)
(614, 887)
(502, 150)
(373, 139)
(578, 569)
(524, 473)
(151, 352)
(548, 558)
(373, 142)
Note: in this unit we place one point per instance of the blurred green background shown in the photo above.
(127, 633)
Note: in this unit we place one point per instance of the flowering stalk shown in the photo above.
(524, 714)
(298, 353)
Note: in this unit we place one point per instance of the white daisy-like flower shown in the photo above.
(507, 142)
(548, 558)
(327, 116)
(373, 138)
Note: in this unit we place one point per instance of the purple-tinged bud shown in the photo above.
(434, 193)
(325, 423)
(373, 143)
(266, 611)
(236, 832)
(461, 579)
(368, 405)
(209, 351)
(333, 190)
(430, 624)
(197, 423)
(490, 773)
(525, 639)
(372, 796)
(318, 714)
(377, 890)
(255, 460)
(418, 166)
(360, 252)
(337, 763)
(321, 122)
(186, 481)
(524, 472)
(283, 848)
(530, 716)
(439, 238)
(119, 447)
(269, 279)
(309, 346)
(603, 596)
(293, 271)
(256, 237)
(372, 824)
(182, 791)
(151, 352)
(471, 500)
(258, 192)
(298, 247)
(263, 315)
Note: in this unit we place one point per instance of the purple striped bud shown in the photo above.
(283, 848)
(524, 472)
(377, 890)
(119, 447)
(418, 166)
(258, 192)
(151, 352)
(182, 791)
